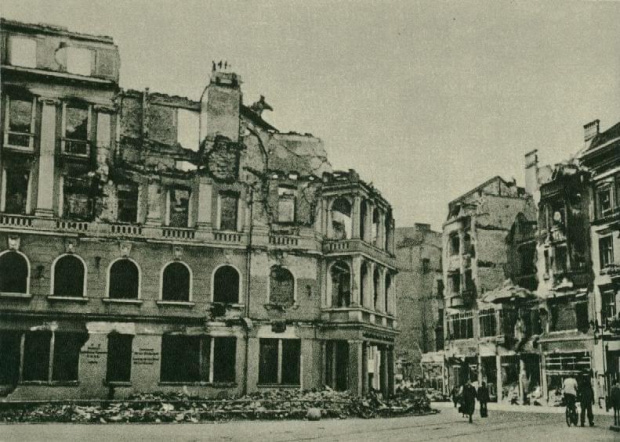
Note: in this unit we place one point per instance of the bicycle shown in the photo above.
(571, 415)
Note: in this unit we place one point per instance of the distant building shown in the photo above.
(419, 297)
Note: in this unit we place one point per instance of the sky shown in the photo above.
(425, 99)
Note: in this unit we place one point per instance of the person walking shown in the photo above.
(455, 396)
(483, 398)
(586, 398)
(469, 400)
(614, 400)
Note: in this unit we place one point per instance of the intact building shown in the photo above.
(153, 242)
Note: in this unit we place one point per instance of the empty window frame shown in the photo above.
(376, 227)
(77, 202)
(188, 129)
(488, 323)
(226, 284)
(560, 259)
(228, 210)
(454, 279)
(454, 244)
(388, 292)
(23, 51)
(119, 358)
(363, 220)
(15, 191)
(341, 284)
(19, 126)
(376, 287)
(178, 205)
(363, 283)
(124, 280)
(281, 286)
(127, 196)
(606, 251)
(51, 356)
(604, 201)
(608, 305)
(279, 362)
(341, 219)
(14, 273)
(69, 277)
(80, 61)
(527, 259)
(176, 282)
(10, 343)
(461, 325)
(286, 204)
(204, 359)
(76, 129)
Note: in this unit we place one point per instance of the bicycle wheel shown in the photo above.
(569, 418)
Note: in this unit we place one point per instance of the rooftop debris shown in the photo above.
(180, 408)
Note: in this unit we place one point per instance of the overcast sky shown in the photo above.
(426, 99)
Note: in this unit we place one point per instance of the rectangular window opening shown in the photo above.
(229, 203)
(20, 116)
(286, 204)
(77, 201)
(119, 358)
(179, 207)
(16, 191)
(76, 130)
(127, 196)
(224, 359)
(279, 361)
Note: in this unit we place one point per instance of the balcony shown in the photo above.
(360, 315)
(356, 246)
(178, 233)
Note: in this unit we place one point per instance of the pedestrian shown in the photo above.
(586, 398)
(483, 398)
(455, 396)
(469, 400)
(614, 400)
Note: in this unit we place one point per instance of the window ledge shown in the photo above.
(122, 301)
(15, 295)
(52, 383)
(117, 383)
(198, 384)
(229, 304)
(176, 304)
(288, 386)
(67, 298)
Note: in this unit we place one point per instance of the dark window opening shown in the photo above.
(179, 207)
(455, 244)
(67, 356)
(363, 282)
(469, 281)
(375, 287)
(13, 273)
(606, 250)
(181, 359)
(268, 365)
(455, 282)
(16, 192)
(36, 356)
(375, 227)
(488, 323)
(224, 359)
(77, 200)
(461, 326)
(527, 258)
(229, 204)
(608, 307)
(291, 358)
(124, 280)
(363, 215)
(119, 357)
(426, 265)
(281, 286)
(563, 316)
(20, 122)
(176, 283)
(341, 219)
(9, 357)
(279, 361)
(604, 201)
(561, 260)
(69, 277)
(581, 313)
(286, 205)
(127, 195)
(341, 285)
(76, 130)
(388, 291)
(226, 285)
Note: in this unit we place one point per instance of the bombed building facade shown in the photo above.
(419, 300)
(149, 242)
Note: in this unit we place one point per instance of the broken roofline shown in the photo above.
(483, 185)
(44, 28)
(339, 179)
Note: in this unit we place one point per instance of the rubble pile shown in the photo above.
(177, 407)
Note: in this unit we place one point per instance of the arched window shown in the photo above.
(226, 285)
(375, 227)
(388, 292)
(375, 288)
(389, 231)
(176, 281)
(363, 220)
(341, 219)
(124, 280)
(341, 285)
(14, 273)
(363, 283)
(69, 273)
(281, 286)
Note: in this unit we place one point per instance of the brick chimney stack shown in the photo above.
(220, 105)
(590, 130)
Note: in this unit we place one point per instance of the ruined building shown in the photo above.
(419, 299)
(485, 231)
(149, 242)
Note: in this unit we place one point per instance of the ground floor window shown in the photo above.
(9, 357)
(337, 364)
(51, 356)
(191, 359)
(119, 358)
(279, 361)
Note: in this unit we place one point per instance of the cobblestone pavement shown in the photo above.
(501, 426)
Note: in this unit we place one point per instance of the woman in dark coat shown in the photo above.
(469, 400)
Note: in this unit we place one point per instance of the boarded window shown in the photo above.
(341, 219)
(224, 359)
(9, 357)
(76, 129)
(69, 277)
(77, 202)
(20, 122)
(23, 52)
(286, 205)
(180, 358)
(176, 282)
(124, 280)
(67, 356)
(119, 358)
(127, 195)
(188, 129)
(13, 273)
(281, 286)
(16, 191)
(229, 203)
(226, 285)
(37, 356)
(79, 61)
(341, 285)
(179, 207)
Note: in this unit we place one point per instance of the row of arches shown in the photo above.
(375, 286)
(375, 226)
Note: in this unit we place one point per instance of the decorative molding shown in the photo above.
(125, 248)
(14, 242)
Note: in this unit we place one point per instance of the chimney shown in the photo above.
(590, 130)
(531, 172)
(220, 105)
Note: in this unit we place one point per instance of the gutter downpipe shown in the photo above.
(248, 267)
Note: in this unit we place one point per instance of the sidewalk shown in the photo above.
(492, 406)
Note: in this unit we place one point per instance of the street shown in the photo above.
(448, 424)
